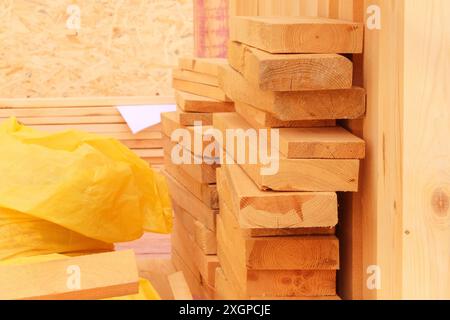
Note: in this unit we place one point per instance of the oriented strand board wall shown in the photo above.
(124, 47)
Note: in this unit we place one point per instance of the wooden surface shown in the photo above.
(293, 174)
(101, 276)
(262, 119)
(256, 209)
(290, 72)
(300, 105)
(189, 118)
(108, 56)
(298, 34)
(194, 103)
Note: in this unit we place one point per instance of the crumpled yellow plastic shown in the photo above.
(73, 192)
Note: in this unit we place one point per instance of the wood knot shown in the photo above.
(440, 202)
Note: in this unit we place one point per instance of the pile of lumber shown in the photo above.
(276, 233)
(193, 183)
(104, 120)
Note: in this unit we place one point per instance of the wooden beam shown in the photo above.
(99, 276)
(298, 34)
(301, 105)
(194, 103)
(290, 72)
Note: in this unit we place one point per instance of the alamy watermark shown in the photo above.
(212, 146)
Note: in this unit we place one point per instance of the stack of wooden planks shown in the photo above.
(193, 183)
(104, 120)
(276, 232)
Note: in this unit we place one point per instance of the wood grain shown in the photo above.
(298, 34)
(300, 105)
(102, 276)
(290, 72)
(194, 103)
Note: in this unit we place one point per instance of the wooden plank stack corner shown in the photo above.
(276, 234)
(193, 186)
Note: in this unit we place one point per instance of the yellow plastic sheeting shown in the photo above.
(85, 183)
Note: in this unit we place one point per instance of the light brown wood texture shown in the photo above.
(191, 76)
(108, 56)
(212, 92)
(256, 209)
(262, 119)
(186, 200)
(281, 253)
(194, 103)
(299, 105)
(209, 66)
(320, 143)
(206, 239)
(298, 34)
(276, 283)
(207, 193)
(293, 174)
(290, 72)
(105, 275)
(204, 264)
(226, 290)
(189, 118)
(203, 173)
(179, 286)
(170, 123)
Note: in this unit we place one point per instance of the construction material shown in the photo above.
(298, 34)
(45, 53)
(293, 174)
(194, 103)
(81, 278)
(186, 75)
(262, 119)
(298, 105)
(290, 72)
(179, 286)
(256, 209)
(209, 66)
(190, 118)
(212, 92)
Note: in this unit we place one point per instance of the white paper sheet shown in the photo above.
(139, 118)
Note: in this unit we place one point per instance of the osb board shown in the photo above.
(123, 47)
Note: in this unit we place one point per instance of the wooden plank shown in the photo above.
(59, 112)
(320, 143)
(203, 173)
(69, 120)
(194, 103)
(106, 275)
(426, 151)
(83, 101)
(275, 253)
(143, 144)
(204, 264)
(298, 34)
(299, 105)
(256, 209)
(189, 118)
(320, 175)
(93, 128)
(290, 72)
(262, 119)
(207, 193)
(209, 66)
(192, 76)
(170, 123)
(226, 290)
(211, 92)
(190, 203)
(205, 239)
(277, 283)
(179, 286)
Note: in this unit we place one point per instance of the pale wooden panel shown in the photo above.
(124, 47)
(426, 150)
